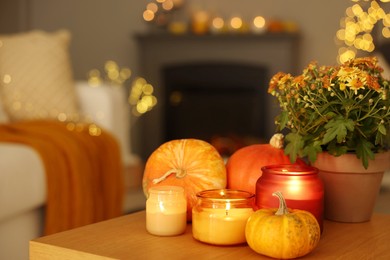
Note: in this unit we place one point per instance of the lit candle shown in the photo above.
(166, 211)
(299, 184)
(220, 216)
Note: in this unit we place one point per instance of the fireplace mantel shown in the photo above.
(279, 52)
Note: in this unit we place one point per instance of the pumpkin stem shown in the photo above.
(179, 174)
(277, 141)
(282, 210)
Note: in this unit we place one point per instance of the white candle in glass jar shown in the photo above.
(166, 211)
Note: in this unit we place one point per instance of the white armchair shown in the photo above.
(36, 82)
(22, 174)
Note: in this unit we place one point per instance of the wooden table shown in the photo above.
(126, 238)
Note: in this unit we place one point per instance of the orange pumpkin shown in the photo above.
(244, 166)
(192, 164)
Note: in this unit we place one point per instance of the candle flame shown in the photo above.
(294, 186)
(161, 206)
(227, 208)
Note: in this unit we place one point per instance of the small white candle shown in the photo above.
(166, 211)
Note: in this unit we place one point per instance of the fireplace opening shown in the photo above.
(221, 103)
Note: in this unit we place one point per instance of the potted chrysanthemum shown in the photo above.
(335, 112)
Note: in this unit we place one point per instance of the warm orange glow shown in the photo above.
(167, 5)
(152, 7)
(259, 22)
(236, 22)
(218, 23)
(294, 186)
(148, 15)
(7, 79)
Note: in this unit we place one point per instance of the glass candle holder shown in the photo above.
(219, 216)
(300, 185)
(166, 211)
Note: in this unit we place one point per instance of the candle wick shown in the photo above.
(227, 212)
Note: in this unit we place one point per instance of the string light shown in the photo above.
(218, 23)
(236, 22)
(157, 10)
(357, 26)
(141, 97)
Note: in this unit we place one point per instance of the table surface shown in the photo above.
(126, 238)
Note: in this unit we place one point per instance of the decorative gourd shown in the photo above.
(282, 233)
(192, 164)
(244, 166)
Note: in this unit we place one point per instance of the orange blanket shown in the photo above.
(83, 171)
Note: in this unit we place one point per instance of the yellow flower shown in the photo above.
(321, 98)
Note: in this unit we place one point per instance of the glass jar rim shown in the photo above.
(166, 189)
(290, 169)
(225, 194)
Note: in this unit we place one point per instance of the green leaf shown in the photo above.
(382, 129)
(283, 119)
(330, 115)
(380, 139)
(337, 128)
(312, 150)
(364, 152)
(294, 146)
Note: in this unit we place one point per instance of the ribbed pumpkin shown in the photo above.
(282, 233)
(192, 164)
(244, 166)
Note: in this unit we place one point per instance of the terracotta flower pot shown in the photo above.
(350, 189)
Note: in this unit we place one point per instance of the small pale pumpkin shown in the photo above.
(282, 233)
(192, 164)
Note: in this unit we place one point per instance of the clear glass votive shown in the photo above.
(166, 211)
(219, 217)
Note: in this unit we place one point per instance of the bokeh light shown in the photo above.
(218, 23)
(259, 21)
(236, 22)
(141, 97)
(148, 15)
(167, 5)
(153, 7)
(357, 26)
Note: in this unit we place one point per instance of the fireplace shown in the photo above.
(223, 103)
(158, 52)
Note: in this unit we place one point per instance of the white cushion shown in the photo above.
(36, 78)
